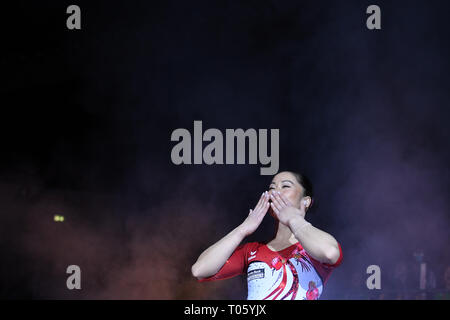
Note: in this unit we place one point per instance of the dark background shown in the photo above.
(86, 118)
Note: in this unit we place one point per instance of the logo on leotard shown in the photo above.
(255, 274)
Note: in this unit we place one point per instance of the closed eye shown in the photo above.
(282, 187)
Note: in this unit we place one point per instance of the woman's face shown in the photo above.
(287, 184)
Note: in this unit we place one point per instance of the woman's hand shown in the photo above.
(283, 208)
(255, 216)
(213, 258)
(319, 244)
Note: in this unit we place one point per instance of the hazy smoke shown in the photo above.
(363, 114)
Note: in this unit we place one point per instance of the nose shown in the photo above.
(275, 190)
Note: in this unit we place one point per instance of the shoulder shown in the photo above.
(250, 247)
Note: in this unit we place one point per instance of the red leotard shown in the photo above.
(290, 273)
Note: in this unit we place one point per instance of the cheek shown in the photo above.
(292, 196)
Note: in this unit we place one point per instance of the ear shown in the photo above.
(307, 201)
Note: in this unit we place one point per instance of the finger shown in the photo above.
(278, 206)
(262, 206)
(265, 208)
(276, 201)
(263, 212)
(280, 199)
(272, 197)
(266, 197)
(274, 208)
(260, 201)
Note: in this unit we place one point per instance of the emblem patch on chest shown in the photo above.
(255, 274)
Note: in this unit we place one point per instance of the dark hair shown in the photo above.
(306, 184)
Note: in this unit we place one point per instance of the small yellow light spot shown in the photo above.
(58, 218)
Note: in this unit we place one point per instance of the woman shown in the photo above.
(294, 265)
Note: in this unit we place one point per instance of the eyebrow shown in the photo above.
(283, 181)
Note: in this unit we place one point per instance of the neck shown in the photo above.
(284, 235)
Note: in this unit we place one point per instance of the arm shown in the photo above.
(319, 244)
(213, 258)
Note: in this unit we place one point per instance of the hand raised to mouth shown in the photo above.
(283, 208)
(255, 216)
